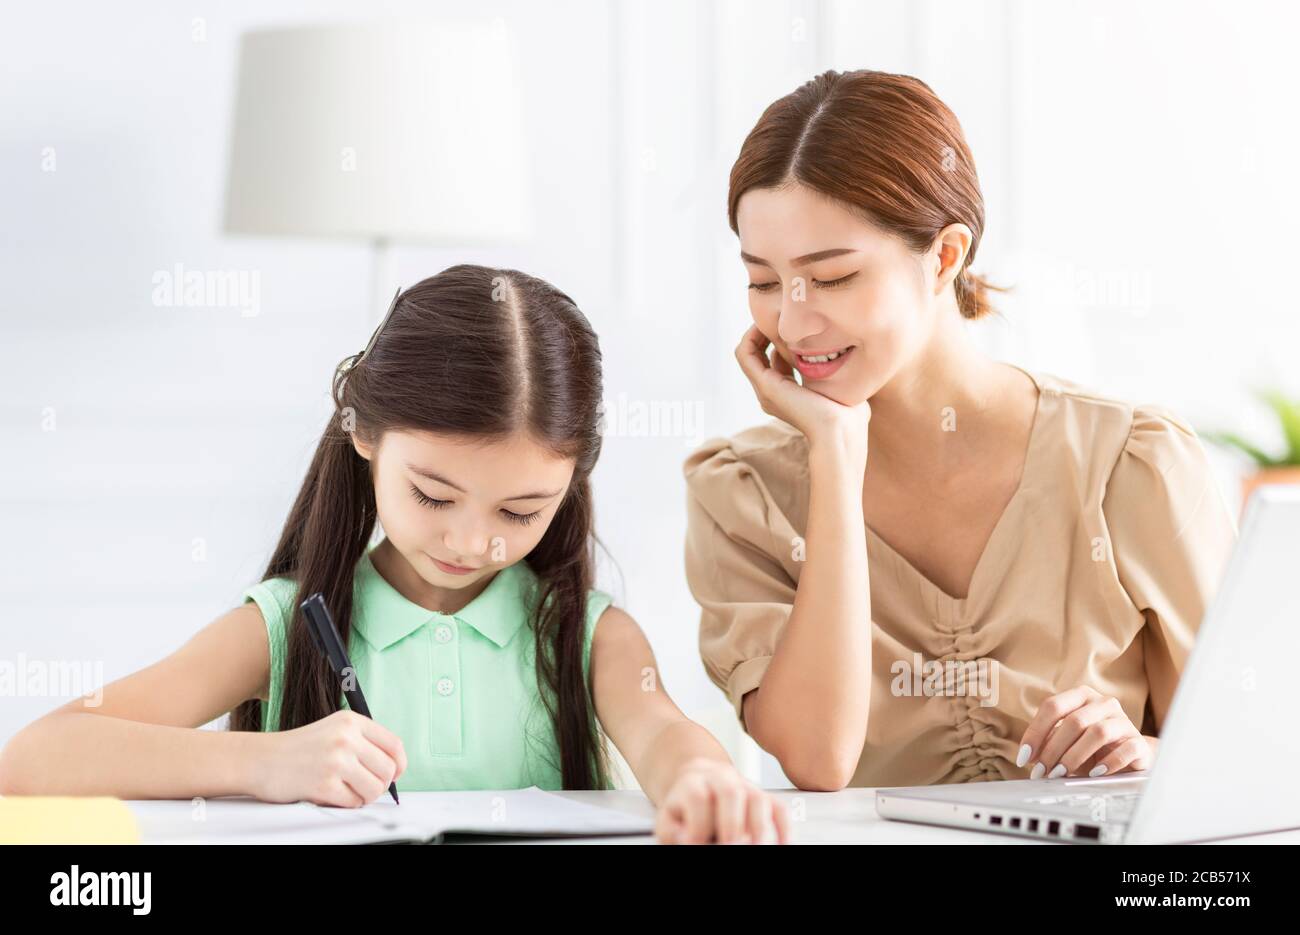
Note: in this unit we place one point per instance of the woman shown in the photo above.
(921, 517)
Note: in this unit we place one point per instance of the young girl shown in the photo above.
(469, 429)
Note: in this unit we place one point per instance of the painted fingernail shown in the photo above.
(1038, 771)
(1057, 771)
(1023, 756)
(1098, 770)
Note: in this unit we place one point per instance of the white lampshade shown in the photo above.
(387, 132)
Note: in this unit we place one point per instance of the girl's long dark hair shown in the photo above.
(470, 351)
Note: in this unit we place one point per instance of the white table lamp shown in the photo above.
(386, 132)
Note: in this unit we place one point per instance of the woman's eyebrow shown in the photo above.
(424, 472)
(799, 260)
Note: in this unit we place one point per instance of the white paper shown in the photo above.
(243, 820)
(530, 811)
(422, 816)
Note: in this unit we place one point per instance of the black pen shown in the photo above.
(320, 624)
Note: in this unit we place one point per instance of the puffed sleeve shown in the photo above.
(1172, 533)
(740, 551)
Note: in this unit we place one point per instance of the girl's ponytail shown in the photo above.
(326, 534)
(563, 562)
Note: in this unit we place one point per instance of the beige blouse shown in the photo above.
(1097, 573)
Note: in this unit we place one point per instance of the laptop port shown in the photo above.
(995, 819)
(1033, 824)
(1015, 822)
(1053, 827)
(1088, 832)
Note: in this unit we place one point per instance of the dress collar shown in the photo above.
(384, 616)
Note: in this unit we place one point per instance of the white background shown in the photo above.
(1137, 161)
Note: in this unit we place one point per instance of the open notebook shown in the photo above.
(423, 817)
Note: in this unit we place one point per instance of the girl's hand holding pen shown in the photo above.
(345, 759)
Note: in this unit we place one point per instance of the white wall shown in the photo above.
(1135, 161)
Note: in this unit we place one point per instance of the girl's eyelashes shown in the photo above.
(427, 500)
(523, 519)
(819, 283)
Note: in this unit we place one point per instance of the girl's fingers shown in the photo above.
(697, 814)
(377, 760)
(347, 795)
(758, 818)
(363, 782)
(729, 802)
(781, 815)
(718, 805)
(723, 812)
(668, 825)
(387, 741)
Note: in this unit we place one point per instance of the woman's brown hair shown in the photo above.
(882, 144)
(471, 351)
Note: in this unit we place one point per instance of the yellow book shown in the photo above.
(56, 819)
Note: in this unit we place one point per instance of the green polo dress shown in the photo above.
(459, 689)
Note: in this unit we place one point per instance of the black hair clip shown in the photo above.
(392, 305)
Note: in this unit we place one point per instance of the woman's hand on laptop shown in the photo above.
(1082, 732)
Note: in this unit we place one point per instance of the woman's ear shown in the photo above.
(362, 448)
(950, 249)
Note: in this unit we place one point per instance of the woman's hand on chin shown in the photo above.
(822, 420)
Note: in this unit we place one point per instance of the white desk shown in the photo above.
(849, 817)
(845, 817)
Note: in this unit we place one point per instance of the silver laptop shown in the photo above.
(1229, 757)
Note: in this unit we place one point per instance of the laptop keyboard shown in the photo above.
(1105, 806)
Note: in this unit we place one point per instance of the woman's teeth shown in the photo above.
(823, 358)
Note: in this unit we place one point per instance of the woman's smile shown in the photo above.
(819, 365)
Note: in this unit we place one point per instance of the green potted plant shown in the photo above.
(1269, 469)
